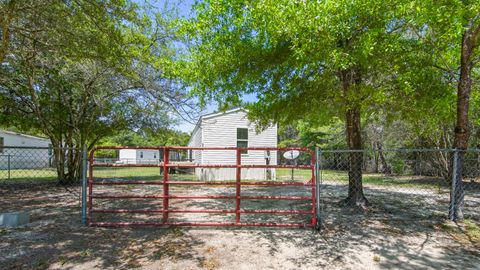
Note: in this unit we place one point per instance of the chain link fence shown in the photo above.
(27, 164)
(33, 166)
(400, 185)
(29, 182)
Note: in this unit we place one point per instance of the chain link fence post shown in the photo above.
(453, 191)
(8, 166)
(318, 179)
(84, 185)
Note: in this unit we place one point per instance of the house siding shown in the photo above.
(196, 141)
(221, 131)
(133, 156)
(128, 156)
(26, 158)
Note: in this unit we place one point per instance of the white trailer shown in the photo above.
(232, 129)
(139, 156)
(20, 151)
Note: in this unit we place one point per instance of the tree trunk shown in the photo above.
(386, 169)
(336, 161)
(59, 162)
(355, 159)
(350, 79)
(68, 162)
(416, 164)
(6, 30)
(462, 129)
(74, 165)
(375, 158)
(470, 41)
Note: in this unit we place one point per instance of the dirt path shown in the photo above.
(371, 240)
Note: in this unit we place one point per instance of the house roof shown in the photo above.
(23, 135)
(213, 115)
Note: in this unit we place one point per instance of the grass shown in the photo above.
(301, 175)
(385, 180)
(341, 177)
(50, 174)
(472, 230)
(469, 232)
(145, 174)
(45, 174)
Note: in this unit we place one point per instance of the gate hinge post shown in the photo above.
(84, 184)
(318, 179)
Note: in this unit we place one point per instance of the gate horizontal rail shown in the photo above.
(186, 166)
(226, 211)
(202, 183)
(165, 209)
(292, 198)
(193, 224)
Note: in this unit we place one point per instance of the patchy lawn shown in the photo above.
(328, 176)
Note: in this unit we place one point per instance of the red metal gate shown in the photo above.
(167, 197)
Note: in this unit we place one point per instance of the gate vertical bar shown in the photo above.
(84, 185)
(453, 189)
(314, 188)
(237, 193)
(166, 155)
(318, 178)
(90, 188)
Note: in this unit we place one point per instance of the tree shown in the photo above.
(78, 71)
(469, 45)
(310, 60)
(453, 30)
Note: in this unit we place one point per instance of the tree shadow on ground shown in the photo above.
(372, 239)
(56, 237)
(399, 231)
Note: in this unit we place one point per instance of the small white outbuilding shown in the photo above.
(139, 156)
(232, 129)
(18, 151)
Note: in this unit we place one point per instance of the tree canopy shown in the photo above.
(311, 58)
(319, 61)
(78, 71)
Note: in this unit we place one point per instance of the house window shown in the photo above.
(1, 144)
(242, 139)
(141, 154)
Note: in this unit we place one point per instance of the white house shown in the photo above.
(24, 157)
(232, 129)
(139, 156)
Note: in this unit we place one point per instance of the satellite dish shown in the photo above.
(292, 154)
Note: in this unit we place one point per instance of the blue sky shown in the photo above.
(184, 9)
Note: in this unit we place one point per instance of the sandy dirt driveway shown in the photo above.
(55, 239)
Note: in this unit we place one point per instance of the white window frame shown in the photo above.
(247, 140)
